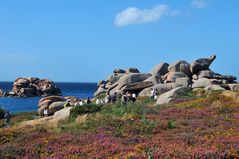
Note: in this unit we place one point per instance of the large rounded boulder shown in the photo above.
(137, 87)
(202, 83)
(128, 79)
(45, 102)
(1, 93)
(52, 98)
(156, 79)
(167, 97)
(132, 70)
(56, 106)
(201, 64)
(160, 69)
(161, 88)
(114, 78)
(173, 76)
(119, 71)
(180, 66)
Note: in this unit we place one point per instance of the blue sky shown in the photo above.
(84, 40)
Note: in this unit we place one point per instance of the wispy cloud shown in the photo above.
(199, 4)
(175, 13)
(134, 15)
(18, 58)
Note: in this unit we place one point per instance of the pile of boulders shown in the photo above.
(166, 77)
(54, 103)
(31, 87)
(1, 93)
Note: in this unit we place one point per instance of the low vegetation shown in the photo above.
(2, 112)
(194, 127)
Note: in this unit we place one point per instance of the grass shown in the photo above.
(89, 108)
(20, 117)
(110, 115)
(23, 116)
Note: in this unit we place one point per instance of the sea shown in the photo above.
(29, 104)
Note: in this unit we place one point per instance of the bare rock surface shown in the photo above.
(167, 97)
(32, 87)
(165, 77)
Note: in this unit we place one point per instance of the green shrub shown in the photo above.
(172, 124)
(224, 110)
(119, 109)
(2, 113)
(187, 95)
(86, 109)
(147, 126)
(145, 100)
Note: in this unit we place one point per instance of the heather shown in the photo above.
(195, 125)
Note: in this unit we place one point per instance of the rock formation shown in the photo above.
(46, 102)
(54, 103)
(31, 87)
(1, 93)
(201, 64)
(166, 77)
(160, 69)
(170, 95)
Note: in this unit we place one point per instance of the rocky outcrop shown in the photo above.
(160, 69)
(184, 81)
(51, 121)
(214, 88)
(201, 64)
(202, 83)
(132, 70)
(63, 114)
(1, 93)
(212, 75)
(55, 103)
(137, 87)
(56, 106)
(31, 87)
(180, 66)
(207, 74)
(119, 71)
(156, 79)
(162, 88)
(128, 79)
(45, 103)
(114, 78)
(167, 97)
(165, 77)
(173, 76)
(234, 87)
(100, 90)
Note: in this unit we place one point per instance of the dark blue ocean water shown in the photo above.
(15, 105)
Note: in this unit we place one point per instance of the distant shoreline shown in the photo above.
(57, 82)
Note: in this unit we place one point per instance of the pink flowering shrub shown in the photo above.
(204, 128)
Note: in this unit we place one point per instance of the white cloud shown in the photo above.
(134, 15)
(198, 4)
(175, 13)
